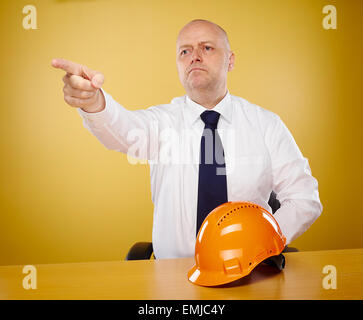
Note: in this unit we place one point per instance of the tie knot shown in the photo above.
(210, 118)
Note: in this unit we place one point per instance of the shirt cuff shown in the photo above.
(98, 119)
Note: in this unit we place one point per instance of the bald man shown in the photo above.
(204, 148)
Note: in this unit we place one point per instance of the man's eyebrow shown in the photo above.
(201, 42)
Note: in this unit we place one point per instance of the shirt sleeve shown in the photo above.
(293, 183)
(128, 131)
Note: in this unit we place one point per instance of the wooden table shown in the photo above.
(302, 278)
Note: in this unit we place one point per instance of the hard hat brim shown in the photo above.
(210, 279)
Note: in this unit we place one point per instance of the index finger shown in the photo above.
(68, 66)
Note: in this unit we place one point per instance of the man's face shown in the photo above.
(203, 46)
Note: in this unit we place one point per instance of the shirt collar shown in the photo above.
(224, 107)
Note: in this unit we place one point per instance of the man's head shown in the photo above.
(203, 44)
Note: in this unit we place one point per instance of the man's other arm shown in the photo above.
(296, 188)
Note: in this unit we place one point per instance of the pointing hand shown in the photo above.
(81, 86)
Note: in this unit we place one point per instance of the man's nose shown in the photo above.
(196, 56)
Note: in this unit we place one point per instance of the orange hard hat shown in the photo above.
(233, 239)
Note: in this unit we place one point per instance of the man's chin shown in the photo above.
(198, 85)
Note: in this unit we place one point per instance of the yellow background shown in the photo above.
(64, 197)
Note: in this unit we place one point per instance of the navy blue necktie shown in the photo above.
(212, 183)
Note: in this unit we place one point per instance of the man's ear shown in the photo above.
(231, 61)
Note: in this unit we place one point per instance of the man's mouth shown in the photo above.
(196, 69)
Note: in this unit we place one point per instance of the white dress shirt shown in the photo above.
(261, 156)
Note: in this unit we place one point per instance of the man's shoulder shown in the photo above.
(171, 108)
(167, 113)
(174, 103)
(178, 100)
(252, 110)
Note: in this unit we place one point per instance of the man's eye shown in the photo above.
(208, 48)
(183, 52)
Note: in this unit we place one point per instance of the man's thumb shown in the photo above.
(98, 80)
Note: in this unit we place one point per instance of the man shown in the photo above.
(251, 147)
